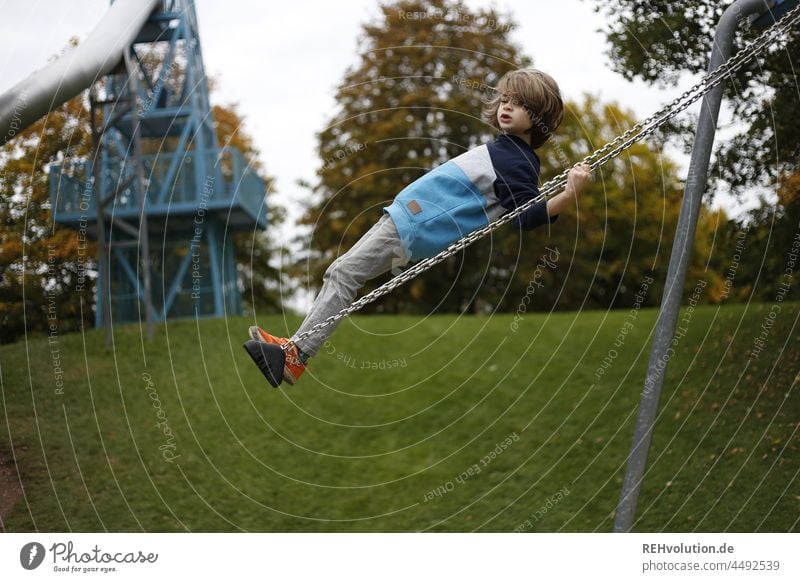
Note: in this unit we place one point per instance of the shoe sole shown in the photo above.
(256, 336)
(269, 358)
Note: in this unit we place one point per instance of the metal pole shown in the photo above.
(678, 264)
(139, 187)
(103, 247)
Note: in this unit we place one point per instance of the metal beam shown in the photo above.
(103, 313)
(678, 264)
(141, 195)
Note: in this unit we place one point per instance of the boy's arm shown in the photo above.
(560, 202)
(546, 212)
(534, 217)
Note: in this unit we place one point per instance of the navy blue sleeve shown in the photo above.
(534, 217)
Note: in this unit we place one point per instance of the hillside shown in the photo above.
(441, 423)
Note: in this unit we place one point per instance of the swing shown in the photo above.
(270, 358)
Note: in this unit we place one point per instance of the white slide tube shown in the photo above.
(78, 68)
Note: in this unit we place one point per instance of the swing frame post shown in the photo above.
(679, 263)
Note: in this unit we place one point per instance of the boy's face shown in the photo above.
(513, 117)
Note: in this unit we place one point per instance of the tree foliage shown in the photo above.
(657, 40)
(259, 255)
(40, 261)
(760, 251)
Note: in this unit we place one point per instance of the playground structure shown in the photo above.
(169, 191)
(158, 194)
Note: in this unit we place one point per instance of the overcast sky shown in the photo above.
(281, 62)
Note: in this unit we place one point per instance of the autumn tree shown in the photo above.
(259, 256)
(760, 250)
(658, 40)
(39, 265)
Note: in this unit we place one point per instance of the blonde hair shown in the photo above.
(538, 93)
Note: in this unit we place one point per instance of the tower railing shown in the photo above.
(232, 185)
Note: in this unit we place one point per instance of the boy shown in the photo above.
(441, 207)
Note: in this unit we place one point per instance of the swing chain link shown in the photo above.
(594, 160)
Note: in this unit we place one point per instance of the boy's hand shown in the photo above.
(578, 177)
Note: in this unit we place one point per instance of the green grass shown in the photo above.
(352, 448)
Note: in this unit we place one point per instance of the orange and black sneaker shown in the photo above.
(293, 367)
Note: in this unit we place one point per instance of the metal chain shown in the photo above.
(594, 160)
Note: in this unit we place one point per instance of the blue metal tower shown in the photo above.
(160, 195)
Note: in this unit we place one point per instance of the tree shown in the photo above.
(761, 248)
(259, 258)
(657, 40)
(39, 266)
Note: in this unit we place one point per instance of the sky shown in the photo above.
(280, 62)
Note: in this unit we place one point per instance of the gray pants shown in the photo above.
(375, 253)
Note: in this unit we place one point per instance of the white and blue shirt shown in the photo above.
(466, 193)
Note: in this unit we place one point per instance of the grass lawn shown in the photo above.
(403, 423)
